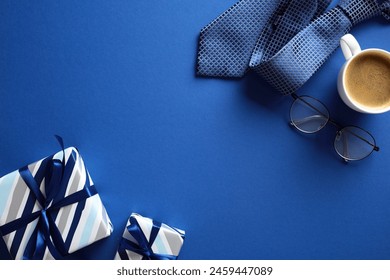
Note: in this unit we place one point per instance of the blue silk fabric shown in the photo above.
(284, 41)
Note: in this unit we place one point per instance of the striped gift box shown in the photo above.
(144, 238)
(71, 226)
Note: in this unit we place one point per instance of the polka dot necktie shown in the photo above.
(284, 41)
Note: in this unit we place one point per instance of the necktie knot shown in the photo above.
(359, 10)
(385, 8)
(284, 41)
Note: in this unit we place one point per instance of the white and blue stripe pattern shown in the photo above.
(169, 240)
(80, 224)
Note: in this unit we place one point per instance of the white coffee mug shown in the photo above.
(364, 79)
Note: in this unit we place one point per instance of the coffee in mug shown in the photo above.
(364, 79)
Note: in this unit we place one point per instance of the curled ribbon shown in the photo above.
(144, 247)
(46, 233)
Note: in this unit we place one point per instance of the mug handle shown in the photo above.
(349, 46)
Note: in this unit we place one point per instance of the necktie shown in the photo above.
(284, 41)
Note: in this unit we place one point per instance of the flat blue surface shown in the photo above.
(216, 158)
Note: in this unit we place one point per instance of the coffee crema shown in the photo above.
(367, 79)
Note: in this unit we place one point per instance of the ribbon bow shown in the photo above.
(55, 174)
(144, 247)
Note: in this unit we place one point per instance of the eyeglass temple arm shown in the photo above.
(346, 148)
(376, 148)
(295, 96)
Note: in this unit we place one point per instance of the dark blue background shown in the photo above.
(216, 158)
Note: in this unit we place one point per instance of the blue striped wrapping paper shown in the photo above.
(169, 240)
(78, 227)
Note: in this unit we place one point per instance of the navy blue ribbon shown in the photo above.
(144, 247)
(46, 233)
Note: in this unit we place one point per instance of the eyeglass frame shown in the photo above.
(334, 123)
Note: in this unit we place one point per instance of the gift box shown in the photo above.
(50, 208)
(147, 239)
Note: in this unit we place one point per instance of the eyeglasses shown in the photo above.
(310, 115)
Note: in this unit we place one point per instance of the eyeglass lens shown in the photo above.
(354, 143)
(308, 114)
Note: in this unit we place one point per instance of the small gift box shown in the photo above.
(50, 208)
(146, 239)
